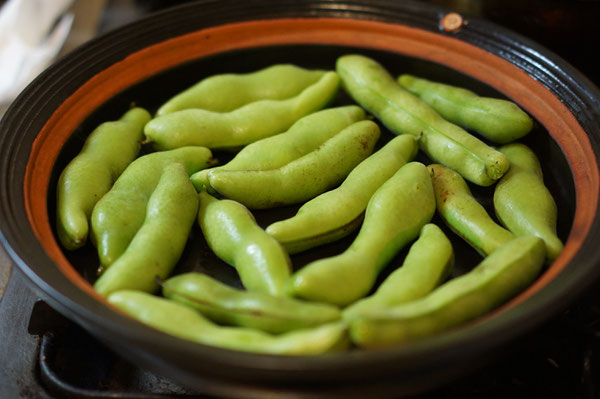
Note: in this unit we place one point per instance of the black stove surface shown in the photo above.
(43, 355)
(46, 356)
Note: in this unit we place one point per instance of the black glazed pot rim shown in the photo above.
(40, 100)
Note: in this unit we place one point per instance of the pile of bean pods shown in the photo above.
(138, 211)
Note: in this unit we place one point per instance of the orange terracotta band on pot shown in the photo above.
(466, 58)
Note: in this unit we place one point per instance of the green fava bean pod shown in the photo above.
(303, 137)
(498, 120)
(232, 233)
(227, 305)
(428, 263)
(337, 213)
(403, 113)
(244, 125)
(522, 202)
(120, 213)
(499, 277)
(394, 216)
(226, 92)
(186, 323)
(106, 153)
(303, 178)
(463, 214)
(158, 244)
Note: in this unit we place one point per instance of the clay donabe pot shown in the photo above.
(148, 61)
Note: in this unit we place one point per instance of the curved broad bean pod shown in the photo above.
(337, 213)
(523, 203)
(428, 263)
(228, 91)
(106, 153)
(232, 233)
(403, 113)
(305, 177)
(159, 242)
(394, 216)
(244, 125)
(497, 120)
(304, 136)
(463, 214)
(186, 323)
(227, 305)
(121, 212)
(499, 277)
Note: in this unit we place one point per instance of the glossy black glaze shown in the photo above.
(397, 371)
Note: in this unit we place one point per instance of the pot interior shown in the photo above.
(152, 92)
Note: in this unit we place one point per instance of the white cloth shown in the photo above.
(32, 32)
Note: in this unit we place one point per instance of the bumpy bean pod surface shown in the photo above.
(226, 92)
(374, 88)
(244, 125)
(184, 322)
(261, 311)
(522, 201)
(304, 136)
(498, 120)
(463, 214)
(106, 153)
(496, 279)
(303, 178)
(231, 232)
(121, 212)
(158, 244)
(394, 216)
(336, 213)
(428, 263)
